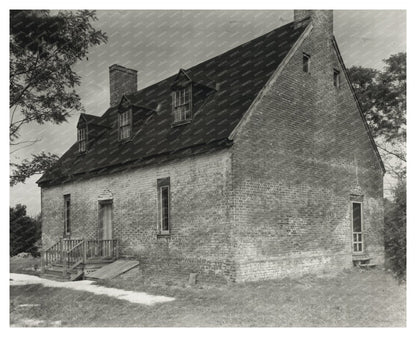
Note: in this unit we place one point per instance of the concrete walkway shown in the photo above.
(131, 296)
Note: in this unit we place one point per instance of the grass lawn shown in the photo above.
(352, 298)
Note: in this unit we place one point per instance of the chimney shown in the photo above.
(321, 19)
(122, 81)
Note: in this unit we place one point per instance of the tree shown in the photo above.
(382, 95)
(395, 231)
(24, 231)
(43, 49)
(37, 164)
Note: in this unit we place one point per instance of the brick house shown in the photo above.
(255, 164)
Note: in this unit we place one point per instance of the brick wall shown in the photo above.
(122, 81)
(276, 204)
(199, 240)
(294, 167)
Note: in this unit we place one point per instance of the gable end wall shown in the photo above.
(294, 168)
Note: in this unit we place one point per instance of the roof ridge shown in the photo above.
(240, 45)
(202, 62)
(216, 56)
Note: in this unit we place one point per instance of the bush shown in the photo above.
(24, 231)
(395, 231)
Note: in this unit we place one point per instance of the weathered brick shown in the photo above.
(294, 168)
(275, 204)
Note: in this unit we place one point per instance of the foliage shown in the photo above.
(44, 47)
(37, 164)
(383, 97)
(24, 231)
(395, 231)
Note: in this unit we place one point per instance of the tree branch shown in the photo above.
(28, 143)
(397, 155)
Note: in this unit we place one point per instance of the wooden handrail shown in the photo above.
(53, 254)
(72, 252)
(101, 249)
(74, 256)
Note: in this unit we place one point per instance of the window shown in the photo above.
(67, 214)
(357, 227)
(336, 78)
(164, 205)
(82, 139)
(306, 63)
(182, 104)
(124, 122)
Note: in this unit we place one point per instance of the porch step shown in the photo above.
(362, 261)
(53, 277)
(77, 276)
(101, 260)
(367, 265)
(55, 272)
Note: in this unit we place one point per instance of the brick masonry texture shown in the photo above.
(275, 204)
(122, 81)
(199, 240)
(294, 168)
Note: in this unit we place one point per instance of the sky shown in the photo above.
(158, 43)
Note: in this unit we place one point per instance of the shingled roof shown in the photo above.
(235, 78)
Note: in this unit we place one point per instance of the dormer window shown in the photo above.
(82, 139)
(124, 122)
(182, 104)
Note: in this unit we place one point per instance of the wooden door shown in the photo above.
(105, 219)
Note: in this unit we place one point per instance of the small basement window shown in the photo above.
(306, 63)
(124, 122)
(336, 78)
(82, 140)
(182, 103)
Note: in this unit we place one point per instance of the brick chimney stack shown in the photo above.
(122, 81)
(321, 19)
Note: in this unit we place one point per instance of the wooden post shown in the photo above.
(42, 261)
(61, 245)
(84, 251)
(65, 266)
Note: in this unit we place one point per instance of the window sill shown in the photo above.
(125, 140)
(187, 121)
(163, 235)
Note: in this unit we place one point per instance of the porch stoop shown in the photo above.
(71, 260)
(57, 272)
(363, 261)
